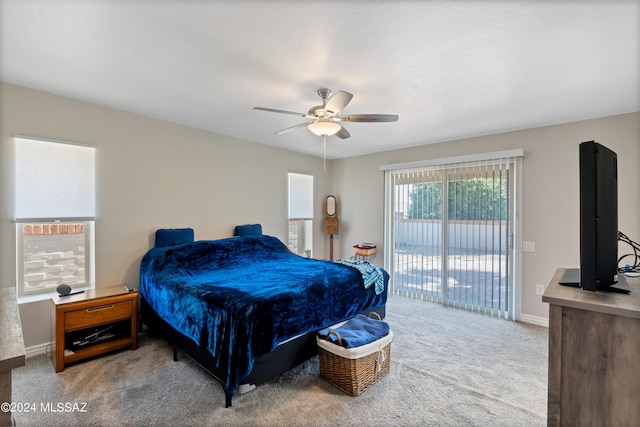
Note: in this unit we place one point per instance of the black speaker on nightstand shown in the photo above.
(63, 290)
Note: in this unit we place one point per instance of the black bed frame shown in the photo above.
(284, 357)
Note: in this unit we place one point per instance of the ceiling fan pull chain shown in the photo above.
(324, 151)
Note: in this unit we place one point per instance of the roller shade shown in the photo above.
(54, 180)
(300, 196)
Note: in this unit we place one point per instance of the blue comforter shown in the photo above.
(241, 297)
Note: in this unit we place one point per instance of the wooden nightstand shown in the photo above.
(93, 323)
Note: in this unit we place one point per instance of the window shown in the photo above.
(55, 216)
(300, 214)
(449, 231)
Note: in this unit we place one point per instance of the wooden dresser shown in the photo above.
(594, 356)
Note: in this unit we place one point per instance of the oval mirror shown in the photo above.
(331, 205)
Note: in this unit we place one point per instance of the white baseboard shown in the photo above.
(37, 350)
(534, 320)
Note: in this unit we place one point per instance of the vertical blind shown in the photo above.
(448, 232)
(54, 180)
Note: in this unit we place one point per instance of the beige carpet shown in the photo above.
(448, 367)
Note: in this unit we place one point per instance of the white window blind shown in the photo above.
(300, 196)
(54, 180)
(300, 213)
(449, 230)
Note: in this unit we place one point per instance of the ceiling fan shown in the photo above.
(326, 120)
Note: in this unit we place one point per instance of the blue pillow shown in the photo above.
(173, 236)
(248, 230)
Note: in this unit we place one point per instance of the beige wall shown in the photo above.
(550, 212)
(153, 174)
(150, 174)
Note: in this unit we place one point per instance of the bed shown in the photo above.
(246, 308)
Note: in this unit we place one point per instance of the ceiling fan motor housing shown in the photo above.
(317, 112)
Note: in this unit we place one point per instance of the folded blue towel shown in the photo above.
(356, 332)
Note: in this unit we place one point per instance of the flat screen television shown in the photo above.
(598, 221)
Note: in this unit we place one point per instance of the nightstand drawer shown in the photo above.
(97, 315)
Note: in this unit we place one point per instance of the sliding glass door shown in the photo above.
(449, 233)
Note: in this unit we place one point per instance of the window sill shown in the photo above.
(44, 296)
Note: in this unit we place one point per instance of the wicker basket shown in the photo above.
(353, 370)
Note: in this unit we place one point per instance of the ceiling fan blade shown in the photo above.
(291, 128)
(273, 110)
(375, 118)
(337, 102)
(343, 133)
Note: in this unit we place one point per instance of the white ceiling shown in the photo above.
(449, 69)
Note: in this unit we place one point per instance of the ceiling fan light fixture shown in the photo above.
(322, 128)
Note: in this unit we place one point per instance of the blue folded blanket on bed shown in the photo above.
(356, 332)
(371, 273)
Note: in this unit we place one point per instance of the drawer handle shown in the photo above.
(100, 307)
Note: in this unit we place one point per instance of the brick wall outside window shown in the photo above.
(54, 254)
